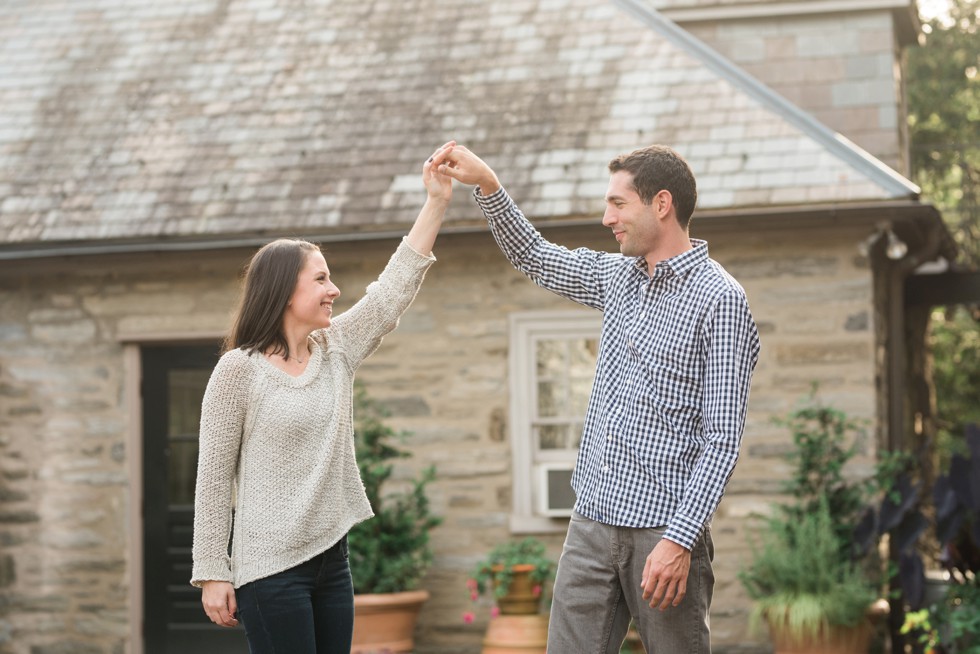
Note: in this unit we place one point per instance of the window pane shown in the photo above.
(549, 399)
(552, 437)
(182, 473)
(579, 389)
(583, 353)
(551, 357)
(186, 389)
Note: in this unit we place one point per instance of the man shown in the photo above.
(667, 409)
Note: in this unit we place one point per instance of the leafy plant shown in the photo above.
(954, 338)
(799, 581)
(390, 552)
(824, 441)
(496, 570)
(954, 622)
(955, 512)
(809, 573)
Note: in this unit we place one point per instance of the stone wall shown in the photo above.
(64, 446)
(844, 68)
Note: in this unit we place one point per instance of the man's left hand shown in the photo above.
(665, 574)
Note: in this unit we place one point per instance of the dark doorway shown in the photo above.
(174, 379)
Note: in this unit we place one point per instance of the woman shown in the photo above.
(276, 440)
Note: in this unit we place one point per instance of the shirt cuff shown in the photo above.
(492, 204)
(683, 531)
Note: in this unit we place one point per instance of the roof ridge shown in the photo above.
(837, 144)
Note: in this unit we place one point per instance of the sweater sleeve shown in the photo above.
(362, 327)
(222, 422)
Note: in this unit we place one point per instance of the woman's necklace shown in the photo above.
(287, 360)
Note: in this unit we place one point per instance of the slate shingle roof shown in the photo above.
(138, 119)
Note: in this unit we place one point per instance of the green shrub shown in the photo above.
(389, 553)
(798, 573)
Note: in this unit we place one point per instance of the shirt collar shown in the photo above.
(680, 264)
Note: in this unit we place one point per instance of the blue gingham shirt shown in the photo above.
(676, 355)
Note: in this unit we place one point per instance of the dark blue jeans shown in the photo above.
(308, 609)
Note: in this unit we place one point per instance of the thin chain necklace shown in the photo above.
(297, 359)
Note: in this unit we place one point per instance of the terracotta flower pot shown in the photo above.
(517, 634)
(520, 598)
(836, 640)
(385, 622)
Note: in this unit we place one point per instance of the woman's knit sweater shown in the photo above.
(280, 449)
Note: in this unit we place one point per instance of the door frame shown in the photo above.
(133, 401)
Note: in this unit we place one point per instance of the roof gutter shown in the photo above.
(81, 248)
(867, 214)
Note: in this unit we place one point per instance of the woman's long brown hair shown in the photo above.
(270, 279)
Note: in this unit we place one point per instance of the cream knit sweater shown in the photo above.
(280, 449)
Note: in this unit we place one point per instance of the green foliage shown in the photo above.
(799, 579)
(956, 372)
(944, 111)
(498, 563)
(809, 571)
(824, 441)
(389, 553)
(953, 625)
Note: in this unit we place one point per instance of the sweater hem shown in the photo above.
(274, 564)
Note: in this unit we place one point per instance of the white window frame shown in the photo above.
(525, 328)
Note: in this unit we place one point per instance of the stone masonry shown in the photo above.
(843, 68)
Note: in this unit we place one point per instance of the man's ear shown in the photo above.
(663, 203)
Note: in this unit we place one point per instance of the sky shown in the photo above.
(931, 8)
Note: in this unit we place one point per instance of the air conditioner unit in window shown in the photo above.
(555, 496)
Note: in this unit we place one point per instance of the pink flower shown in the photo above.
(471, 584)
(469, 617)
(473, 595)
(494, 612)
(536, 591)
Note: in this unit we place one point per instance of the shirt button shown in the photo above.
(609, 438)
(605, 468)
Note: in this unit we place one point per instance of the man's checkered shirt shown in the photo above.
(676, 355)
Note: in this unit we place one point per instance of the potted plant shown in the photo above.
(515, 574)
(810, 582)
(812, 598)
(390, 553)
